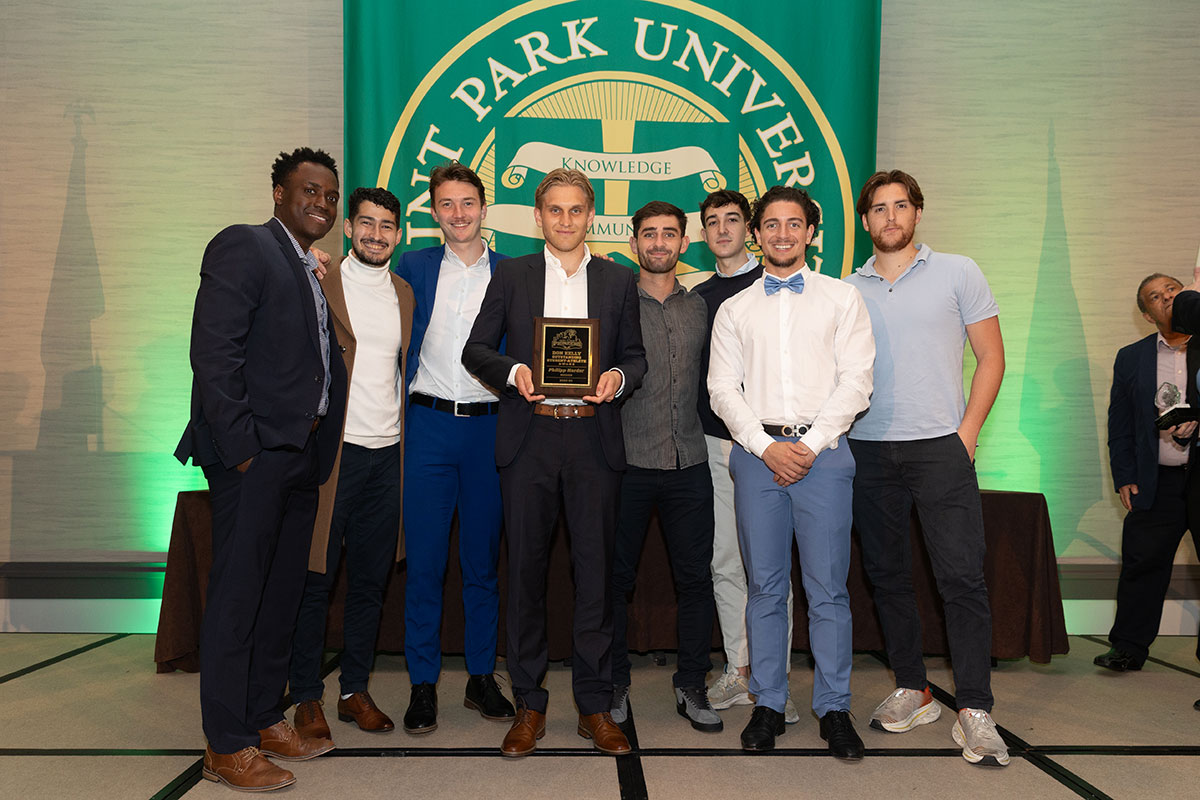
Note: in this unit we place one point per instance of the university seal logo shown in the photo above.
(652, 100)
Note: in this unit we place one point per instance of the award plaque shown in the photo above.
(1172, 412)
(564, 356)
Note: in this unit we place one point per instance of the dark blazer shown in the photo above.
(515, 296)
(256, 354)
(335, 295)
(1132, 436)
(421, 269)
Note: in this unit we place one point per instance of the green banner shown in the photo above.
(653, 99)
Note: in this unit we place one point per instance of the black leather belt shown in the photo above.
(786, 430)
(455, 408)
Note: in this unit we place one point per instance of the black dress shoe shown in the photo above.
(485, 696)
(1196, 705)
(838, 730)
(1119, 661)
(759, 734)
(421, 716)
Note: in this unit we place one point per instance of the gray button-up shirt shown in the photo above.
(660, 421)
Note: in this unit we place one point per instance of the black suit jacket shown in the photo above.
(516, 295)
(1132, 435)
(256, 354)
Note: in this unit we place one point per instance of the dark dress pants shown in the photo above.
(937, 475)
(366, 519)
(262, 523)
(561, 460)
(684, 498)
(1149, 539)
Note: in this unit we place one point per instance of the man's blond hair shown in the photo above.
(561, 176)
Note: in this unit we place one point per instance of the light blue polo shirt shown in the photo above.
(920, 326)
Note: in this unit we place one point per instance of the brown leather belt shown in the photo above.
(563, 412)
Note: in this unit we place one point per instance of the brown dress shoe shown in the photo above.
(360, 708)
(281, 741)
(309, 720)
(604, 733)
(527, 728)
(246, 770)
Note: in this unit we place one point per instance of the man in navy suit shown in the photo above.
(1153, 470)
(553, 451)
(266, 421)
(448, 460)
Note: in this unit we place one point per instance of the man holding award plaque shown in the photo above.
(574, 343)
(1150, 460)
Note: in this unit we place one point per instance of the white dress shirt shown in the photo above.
(791, 359)
(460, 290)
(373, 408)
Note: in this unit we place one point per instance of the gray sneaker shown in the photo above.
(692, 703)
(790, 713)
(731, 689)
(620, 705)
(976, 734)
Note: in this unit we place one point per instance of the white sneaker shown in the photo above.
(905, 709)
(976, 734)
(790, 715)
(731, 689)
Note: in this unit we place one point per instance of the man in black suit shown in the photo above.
(266, 421)
(550, 450)
(1153, 471)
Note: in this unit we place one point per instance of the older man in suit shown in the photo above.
(554, 451)
(449, 458)
(1153, 471)
(359, 506)
(266, 422)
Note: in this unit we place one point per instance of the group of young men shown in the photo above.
(768, 405)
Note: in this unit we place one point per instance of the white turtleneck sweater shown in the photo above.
(373, 410)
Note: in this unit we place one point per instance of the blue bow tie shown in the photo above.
(773, 284)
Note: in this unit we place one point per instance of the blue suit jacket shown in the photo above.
(421, 269)
(1132, 436)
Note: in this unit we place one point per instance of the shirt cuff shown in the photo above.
(512, 374)
(759, 442)
(620, 388)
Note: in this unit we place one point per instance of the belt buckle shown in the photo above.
(558, 407)
(456, 409)
(793, 431)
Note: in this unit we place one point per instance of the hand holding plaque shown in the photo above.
(1171, 411)
(565, 353)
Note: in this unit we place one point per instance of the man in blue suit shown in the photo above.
(1153, 470)
(448, 460)
(266, 423)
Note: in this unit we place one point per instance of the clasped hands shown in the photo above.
(790, 461)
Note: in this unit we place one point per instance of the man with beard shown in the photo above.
(266, 423)
(449, 459)
(556, 452)
(790, 369)
(359, 505)
(916, 444)
(725, 215)
(1152, 470)
(668, 469)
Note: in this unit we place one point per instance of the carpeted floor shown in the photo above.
(85, 716)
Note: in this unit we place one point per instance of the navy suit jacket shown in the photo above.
(515, 296)
(1132, 436)
(421, 269)
(256, 354)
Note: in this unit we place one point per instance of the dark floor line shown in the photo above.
(1047, 765)
(1159, 661)
(61, 657)
(1119, 750)
(182, 784)
(799, 752)
(96, 751)
(630, 777)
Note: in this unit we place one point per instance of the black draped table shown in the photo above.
(1022, 579)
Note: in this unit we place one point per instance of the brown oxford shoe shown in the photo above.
(309, 720)
(281, 741)
(360, 708)
(527, 728)
(604, 733)
(246, 770)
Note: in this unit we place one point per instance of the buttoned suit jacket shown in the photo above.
(1132, 435)
(339, 314)
(516, 295)
(256, 354)
(421, 269)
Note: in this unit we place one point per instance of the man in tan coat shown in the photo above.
(360, 504)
